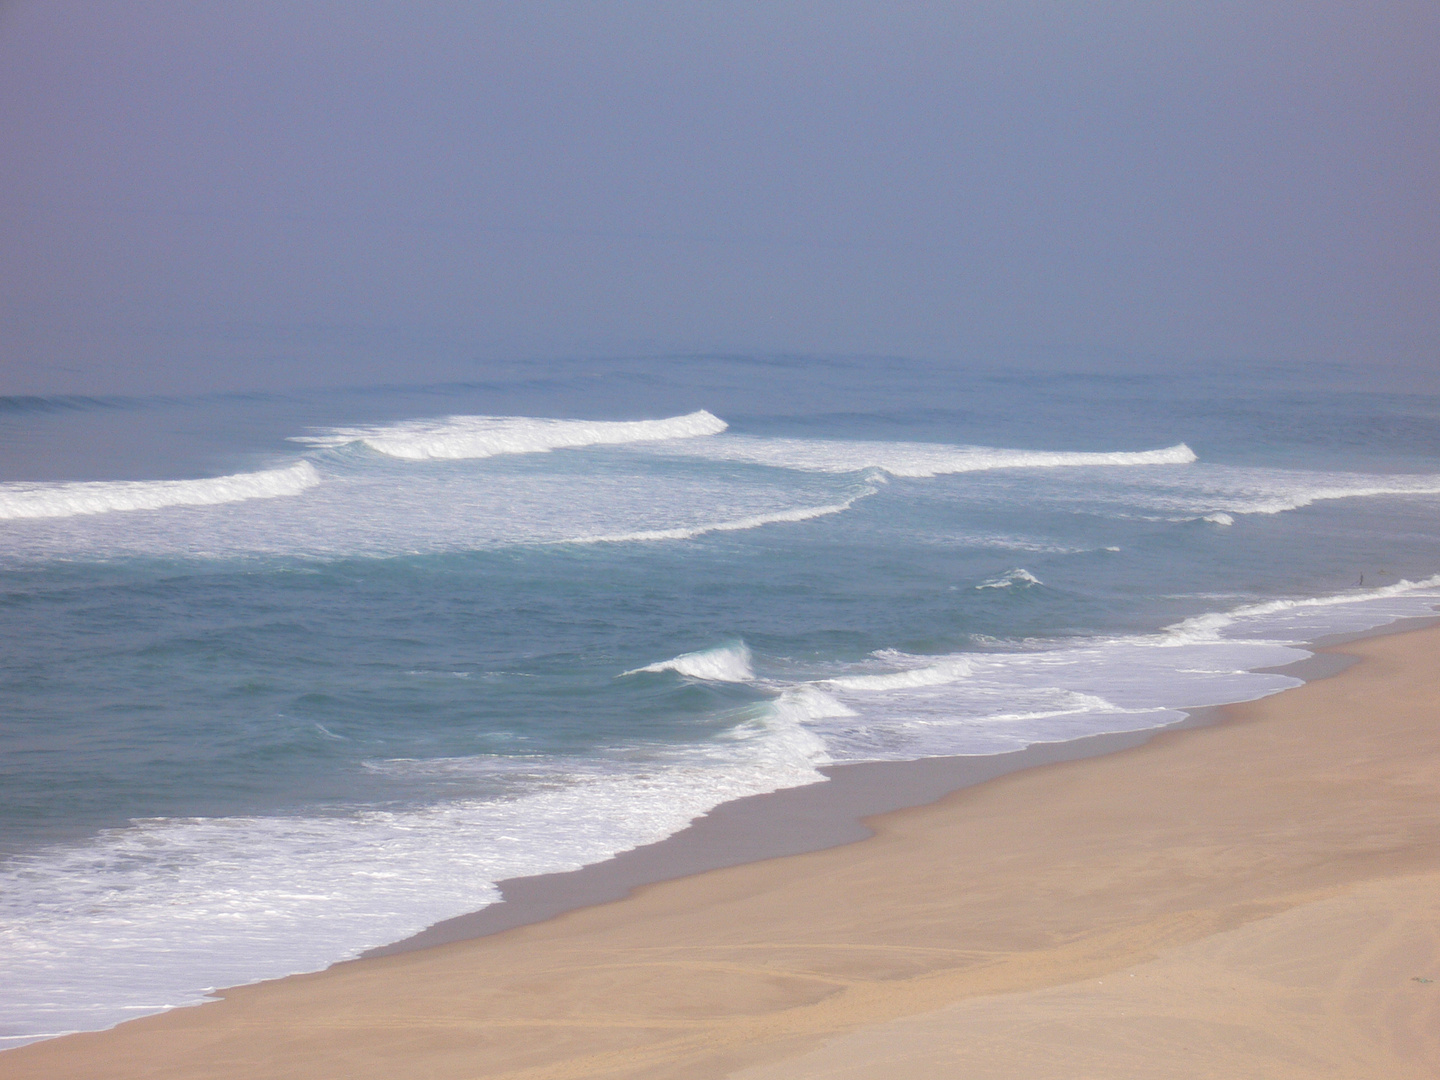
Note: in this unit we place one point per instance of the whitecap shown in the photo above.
(461, 437)
(1010, 579)
(940, 673)
(1217, 493)
(1291, 617)
(724, 663)
(60, 500)
(909, 459)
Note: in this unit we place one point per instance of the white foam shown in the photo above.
(380, 508)
(724, 663)
(807, 703)
(989, 703)
(1004, 542)
(1071, 703)
(174, 907)
(939, 673)
(996, 701)
(457, 437)
(689, 532)
(908, 459)
(1317, 614)
(60, 500)
(1011, 578)
(1298, 493)
(1217, 493)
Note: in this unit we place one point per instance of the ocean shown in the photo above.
(287, 676)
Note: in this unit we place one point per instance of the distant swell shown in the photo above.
(918, 459)
(24, 500)
(458, 437)
(30, 403)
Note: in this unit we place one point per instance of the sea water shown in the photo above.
(287, 676)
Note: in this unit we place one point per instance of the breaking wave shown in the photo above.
(1010, 579)
(724, 663)
(459, 437)
(916, 459)
(61, 500)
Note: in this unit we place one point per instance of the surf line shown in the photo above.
(805, 513)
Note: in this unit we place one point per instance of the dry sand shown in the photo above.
(1254, 899)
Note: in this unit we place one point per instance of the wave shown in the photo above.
(1208, 627)
(1019, 576)
(804, 513)
(240, 899)
(995, 702)
(1004, 542)
(1217, 493)
(34, 403)
(938, 673)
(724, 663)
(1072, 703)
(461, 437)
(1280, 502)
(907, 459)
(61, 500)
(1034, 691)
(807, 703)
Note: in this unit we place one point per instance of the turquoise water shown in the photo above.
(289, 676)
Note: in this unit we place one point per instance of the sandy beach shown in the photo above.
(1255, 898)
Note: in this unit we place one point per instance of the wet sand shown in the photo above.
(1257, 897)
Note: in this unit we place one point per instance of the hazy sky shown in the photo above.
(230, 195)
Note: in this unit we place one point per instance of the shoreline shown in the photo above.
(772, 825)
(816, 817)
(728, 834)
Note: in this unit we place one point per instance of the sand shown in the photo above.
(1256, 898)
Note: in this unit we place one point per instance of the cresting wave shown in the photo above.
(1010, 579)
(460, 437)
(724, 663)
(905, 459)
(61, 500)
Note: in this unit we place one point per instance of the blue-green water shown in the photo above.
(288, 676)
